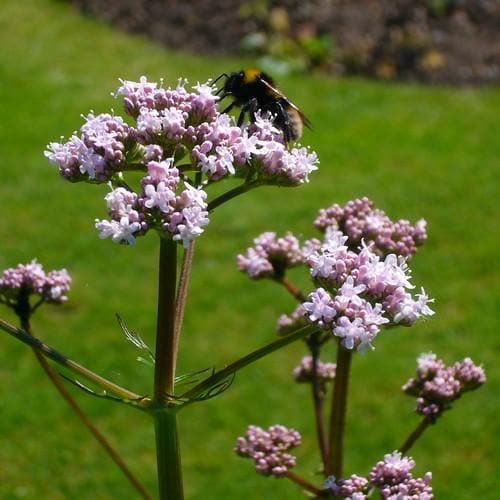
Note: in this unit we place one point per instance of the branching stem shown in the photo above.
(59, 358)
(293, 290)
(247, 360)
(56, 381)
(232, 193)
(306, 485)
(412, 438)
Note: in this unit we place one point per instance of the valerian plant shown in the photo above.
(159, 163)
(362, 284)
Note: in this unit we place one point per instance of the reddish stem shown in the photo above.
(293, 290)
(314, 347)
(339, 410)
(180, 303)
(306, 485)
(53, 377)
(410, 441)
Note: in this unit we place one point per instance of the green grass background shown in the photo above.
(417, 151)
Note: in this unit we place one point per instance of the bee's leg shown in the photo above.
(229, 108)
(241, 117)
(251, 107)
(283, 122)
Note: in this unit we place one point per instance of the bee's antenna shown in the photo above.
(219, 77)
(225, 94)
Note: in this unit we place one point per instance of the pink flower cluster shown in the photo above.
(359, 291)
(393, 478)
(325, 372)
(195, 107)
(174, 127)
(269, 448)
(362, 222)
(437, 386)
(97, 154)
(157, 206)
(31, 279)
(271, 256)
(359, 287)
(223, 149)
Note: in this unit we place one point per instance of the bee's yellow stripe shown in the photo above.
(250, 75)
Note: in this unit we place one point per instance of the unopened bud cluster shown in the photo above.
(360, 221)
(354, 488)
(30, 279)
(174, 133)
(437, 386)
(268, 449)
(325, 372)
(289, 323)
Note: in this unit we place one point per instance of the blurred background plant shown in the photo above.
(435, 41)
(281, 48)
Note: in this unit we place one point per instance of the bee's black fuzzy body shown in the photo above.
(253, 90)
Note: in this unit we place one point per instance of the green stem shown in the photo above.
(167, 440)
(113, 454)
(185, 167)
(168, 456)
(232, 193)
(247, 360)
(71, 365)
(165, 326)
(412, 438)
(339, 409)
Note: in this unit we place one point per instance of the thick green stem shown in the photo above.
(168, 456)
(339, 409)
(72, 365)
(167, 439)
(166, 353)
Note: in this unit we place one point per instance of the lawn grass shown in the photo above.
(417, 151)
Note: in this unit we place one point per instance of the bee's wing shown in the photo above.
(303, 117)
(276, 93)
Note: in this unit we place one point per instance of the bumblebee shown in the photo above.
(253, 90)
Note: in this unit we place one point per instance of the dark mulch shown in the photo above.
(439, 41)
